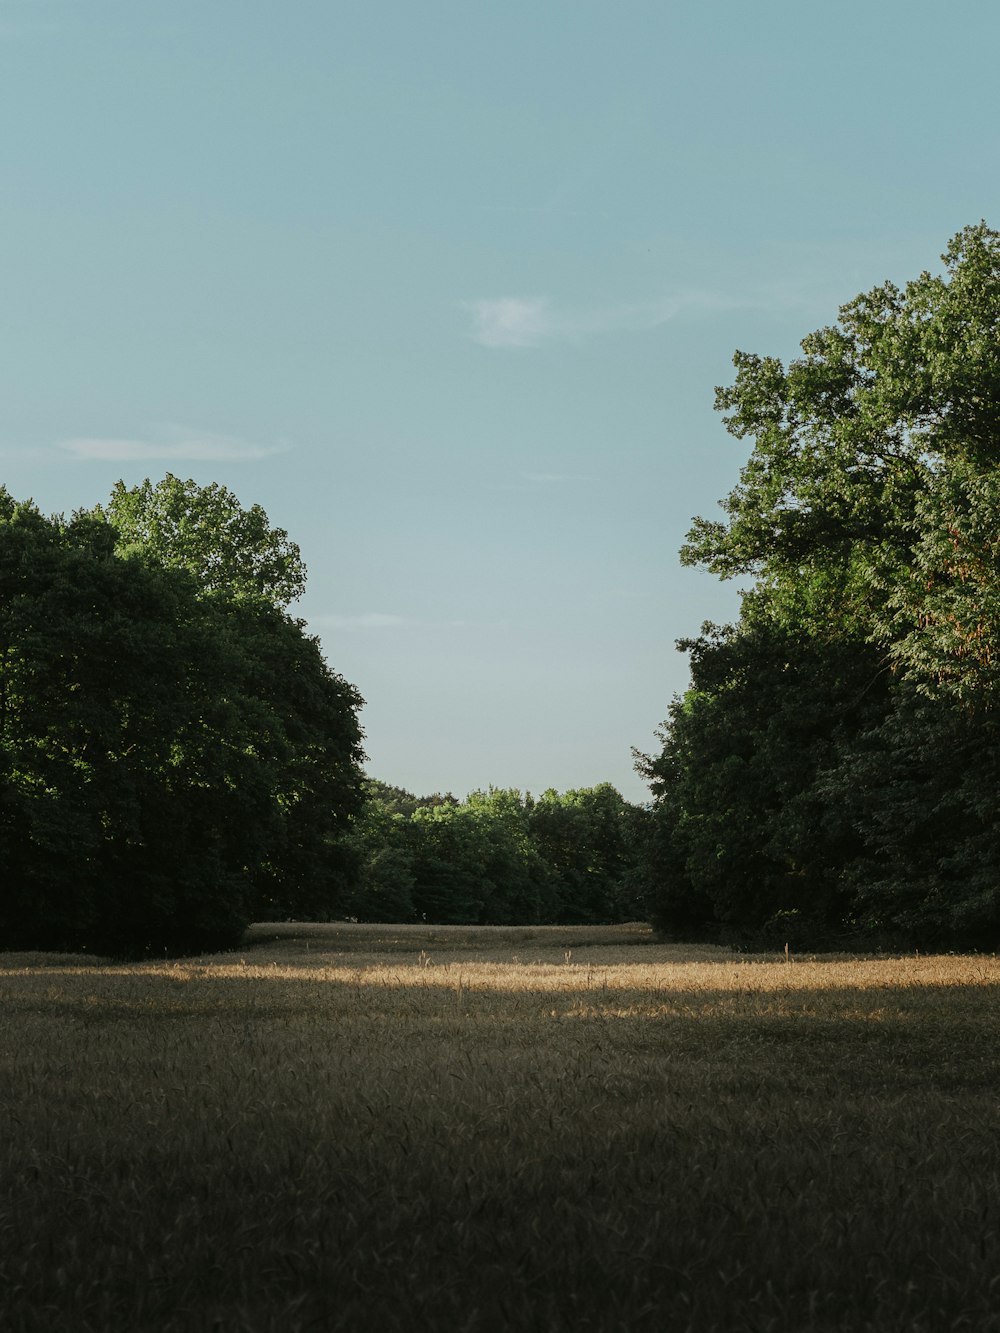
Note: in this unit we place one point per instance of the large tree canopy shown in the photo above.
(827, 721)
(848, 437)
(175, 757)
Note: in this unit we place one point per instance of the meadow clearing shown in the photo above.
(432, 1128)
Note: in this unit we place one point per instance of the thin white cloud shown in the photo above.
(533, 321)
(511, 321)
(529, 321)
(178, 444)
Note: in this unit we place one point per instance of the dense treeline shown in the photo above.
(500, 857)
(176, 758)
(833, 772)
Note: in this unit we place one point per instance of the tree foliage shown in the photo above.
(832, 769)
(499, 857)
(205, 530)
(175, 756)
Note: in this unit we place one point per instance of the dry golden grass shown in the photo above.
(431, 1128)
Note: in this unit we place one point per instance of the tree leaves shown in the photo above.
(175, 754)
(868, 514)
(205, 530)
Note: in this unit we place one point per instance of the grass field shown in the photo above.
(387, 1128)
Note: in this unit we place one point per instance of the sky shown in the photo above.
(447, 287)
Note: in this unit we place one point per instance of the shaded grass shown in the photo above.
(362, 1127)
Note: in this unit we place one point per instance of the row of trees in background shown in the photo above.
(833, 773)
(176, 758)
(499, 857)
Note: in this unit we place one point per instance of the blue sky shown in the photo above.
(447, 287)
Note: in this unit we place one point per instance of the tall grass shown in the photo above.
(361, 1127)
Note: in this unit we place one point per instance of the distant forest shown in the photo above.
(500, 857)
(177, 758)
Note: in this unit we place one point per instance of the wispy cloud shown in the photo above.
(529, 321)
(511, 321)
(175, 444)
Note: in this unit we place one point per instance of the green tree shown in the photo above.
(474, 865)
(171, 758)
(867, 515)
(864, 448)
(591, 839)
(122, 779)
(205, 530)
(399, 801)
(942, 621)
(748, 845)
(921, 788)
(500, 857)
(306, 729)
(524, 889)
(383, 846)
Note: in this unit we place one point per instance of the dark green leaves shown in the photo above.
(868, 514)
(175, 755)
